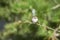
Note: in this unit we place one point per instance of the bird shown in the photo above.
(34, 19)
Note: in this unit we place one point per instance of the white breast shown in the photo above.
(34, 19)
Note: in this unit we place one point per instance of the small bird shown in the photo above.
(34, 19)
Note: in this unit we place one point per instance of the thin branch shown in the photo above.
(55, 7)
(54, 36)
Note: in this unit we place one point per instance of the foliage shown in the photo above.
(18, 15)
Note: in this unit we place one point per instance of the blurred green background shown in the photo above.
(16, 15)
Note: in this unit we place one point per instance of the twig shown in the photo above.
(55, 7)
(54, 34)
